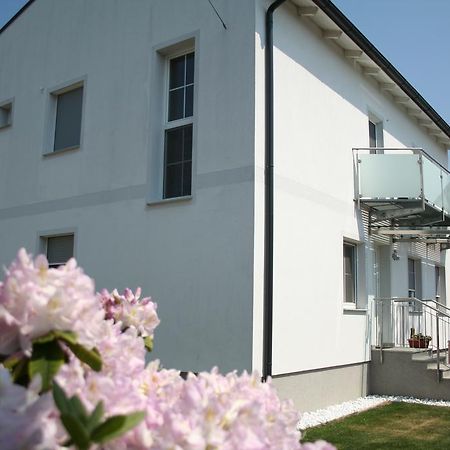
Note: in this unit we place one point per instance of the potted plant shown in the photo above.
(419, 340)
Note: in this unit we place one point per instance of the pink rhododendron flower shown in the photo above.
(27, 420)
(131, 310)
(35, 299)
(213, 411)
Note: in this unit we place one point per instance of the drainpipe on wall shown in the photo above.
(268, 195)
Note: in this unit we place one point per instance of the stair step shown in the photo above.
(442, 367)
(429, 357)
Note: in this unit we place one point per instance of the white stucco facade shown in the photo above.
(201, 258)
(322, 105)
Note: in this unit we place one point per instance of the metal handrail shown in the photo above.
(440, 305)
(415, 299)
(441, 317)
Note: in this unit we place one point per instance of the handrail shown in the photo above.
(422, 302)
(440, 305)
(441, 318)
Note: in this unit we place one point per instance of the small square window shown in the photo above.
(6, 114)
(68, 119)
(59, 249)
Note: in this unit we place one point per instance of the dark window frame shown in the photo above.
(179, 185)
(47, 239)
(353, 248)
(62, 119)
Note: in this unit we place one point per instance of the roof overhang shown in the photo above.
(338, 29)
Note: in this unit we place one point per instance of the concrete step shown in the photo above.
(433, 366)
(429, 356)
(409, 373)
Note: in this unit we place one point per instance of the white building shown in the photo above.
(133, 136)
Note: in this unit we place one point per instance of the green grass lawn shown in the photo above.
(392, 426)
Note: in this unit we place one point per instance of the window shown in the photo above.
(375, 134)
(68, 119)
(59, 249)
(179, 127)
(412, 278)
(439, 273)
(65, 117)
(6, 113)
(414, 283)
(349, 273)
(437, 282)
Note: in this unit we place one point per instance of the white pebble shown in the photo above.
(321, 416)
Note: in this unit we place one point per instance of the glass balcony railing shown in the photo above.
(408, 179)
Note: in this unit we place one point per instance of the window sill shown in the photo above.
(351, 308)
(163, 201)
(6, 126)
(63, 150)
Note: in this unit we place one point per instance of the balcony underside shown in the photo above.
(406, 212)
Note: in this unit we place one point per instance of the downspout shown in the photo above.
(268, 197)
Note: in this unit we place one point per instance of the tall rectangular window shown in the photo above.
(179, 127)
(437, 282)
(412, 278)
(349, 273)
(376, 135)
(59, 249)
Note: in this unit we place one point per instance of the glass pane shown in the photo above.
(189, 105)
(437, 283)
(411, 274)
(349, 289)
(176, 100)
(187, 177)
(187, 143)
(172, 181)
(68, 119)
(59, 249)
(174, 145)
(177, 72)
(432, 182)
(190, 68)
(389, 176)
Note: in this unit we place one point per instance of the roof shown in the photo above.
(18, 13)
(337, 27)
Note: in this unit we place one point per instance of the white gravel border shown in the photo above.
(321, 416)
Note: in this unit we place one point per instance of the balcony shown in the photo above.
(406, 192)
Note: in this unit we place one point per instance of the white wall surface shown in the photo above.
(322, 104)
(194, 257)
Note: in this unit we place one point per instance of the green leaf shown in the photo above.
(96, 417)
(69, 337)
(115, 426)
(46, 360)
(50, 336)
(78, 434)
(61, 401)
(148, 341)
(90, 357)
(77, 408)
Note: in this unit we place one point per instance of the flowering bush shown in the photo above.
(56, 333)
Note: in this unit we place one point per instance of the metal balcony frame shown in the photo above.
(426, 232)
